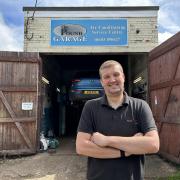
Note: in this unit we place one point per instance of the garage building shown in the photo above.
(60, 42)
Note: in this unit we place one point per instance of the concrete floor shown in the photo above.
(64, 164)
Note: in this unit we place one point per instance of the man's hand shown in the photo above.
(138, 134)
(99, 139)
(102, 140)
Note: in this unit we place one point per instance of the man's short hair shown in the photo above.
(108, 64)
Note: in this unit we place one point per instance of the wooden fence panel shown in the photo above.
(19, 102)
(164, 93)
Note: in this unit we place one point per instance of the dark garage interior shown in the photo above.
(60, 116)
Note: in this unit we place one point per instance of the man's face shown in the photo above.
(112, 79)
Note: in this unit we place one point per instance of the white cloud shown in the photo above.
(164, 36)
(117, 3)
(133, 3)
(11, 37)
(53, 3)
(96, 3)
(166, 20)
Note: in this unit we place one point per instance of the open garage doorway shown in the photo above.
(60, 115)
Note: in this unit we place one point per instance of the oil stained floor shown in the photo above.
(64, 164)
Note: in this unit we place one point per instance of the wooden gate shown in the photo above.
(19, 102)
(164, 85)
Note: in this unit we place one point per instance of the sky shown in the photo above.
(12, 17)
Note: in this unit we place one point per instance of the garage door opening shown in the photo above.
(60, 115)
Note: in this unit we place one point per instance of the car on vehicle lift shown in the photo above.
(83, 89)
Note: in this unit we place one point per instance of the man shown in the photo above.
(115, 131)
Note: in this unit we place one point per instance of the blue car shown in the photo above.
(85, 88)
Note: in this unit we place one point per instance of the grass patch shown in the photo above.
(175, 176)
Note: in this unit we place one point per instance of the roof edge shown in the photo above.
(95, 8)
